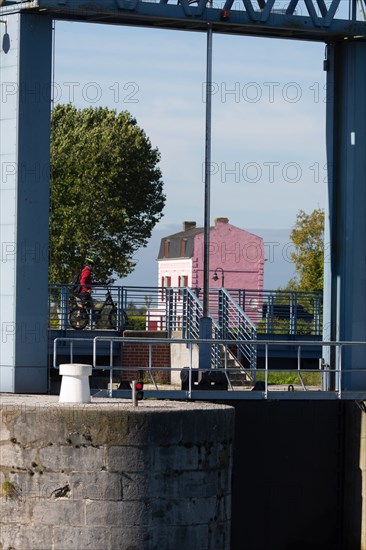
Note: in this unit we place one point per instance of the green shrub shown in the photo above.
(136, 322)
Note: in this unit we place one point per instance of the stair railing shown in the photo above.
(236, 325)
(192, 313)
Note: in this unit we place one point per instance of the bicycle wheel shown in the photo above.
(112, 318)
(78, 318)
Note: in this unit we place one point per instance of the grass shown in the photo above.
(291, 377)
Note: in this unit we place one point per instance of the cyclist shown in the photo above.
(84, 295)
(86, 281)
(84, 312)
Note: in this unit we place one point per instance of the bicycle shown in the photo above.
(82, 314)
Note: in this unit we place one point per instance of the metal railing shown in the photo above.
(61, 301)
(237, 326)
(335, 381)
(192, 314)
(283, 311)
(146, 308)
(275, 311)
(153, 308)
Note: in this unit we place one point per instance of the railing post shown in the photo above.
(185, 313)
(176, 309)
(325, 375)
(339, 371)
(111, 368)
(171, 300)
(221, 312)
(173, 309)
(150, 366)
(167, 310)
(190, 372)
(95, 352)
(64, 307)
(266, 373)
(120, 308)
(269, 316)
(317, 315)
(253, 350)
(242, 299)
(293, 313)
(55, 353)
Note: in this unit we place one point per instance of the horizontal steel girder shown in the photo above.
(306, 20)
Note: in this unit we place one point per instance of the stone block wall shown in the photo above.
(110, 476)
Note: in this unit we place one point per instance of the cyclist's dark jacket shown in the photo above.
(86, 278)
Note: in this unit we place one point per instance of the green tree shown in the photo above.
(308, 257)
(106, 191)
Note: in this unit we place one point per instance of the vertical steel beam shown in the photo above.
(25, 87)
(345, 269)
(206, 322)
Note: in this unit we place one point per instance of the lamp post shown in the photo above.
(206, 240)
(205, 329)
(215, 276)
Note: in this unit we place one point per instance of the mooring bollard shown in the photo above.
(75, 383)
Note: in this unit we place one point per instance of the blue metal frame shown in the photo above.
(318, 21)
(29, 42)
(345, 312)
(25, 106)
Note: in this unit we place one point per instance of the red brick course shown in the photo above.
(137, 355)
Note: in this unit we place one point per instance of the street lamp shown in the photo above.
(205, 329)
(207, 196)
(215, 276)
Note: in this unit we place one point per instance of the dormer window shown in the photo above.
(166, 248)
(183, 247)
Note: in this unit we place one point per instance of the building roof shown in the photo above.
(174, 250)
(181, 244)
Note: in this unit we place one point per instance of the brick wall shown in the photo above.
(137, 355)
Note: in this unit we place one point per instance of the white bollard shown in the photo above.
(75, 383)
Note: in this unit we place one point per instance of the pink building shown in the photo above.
(236, 263)
(236, 256)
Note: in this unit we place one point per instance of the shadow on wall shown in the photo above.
(296, 476)
(354, 509)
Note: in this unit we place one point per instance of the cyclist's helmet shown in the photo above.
(89, 261)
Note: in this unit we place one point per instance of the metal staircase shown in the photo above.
(229, 322)
(191, 314)
(238, 327)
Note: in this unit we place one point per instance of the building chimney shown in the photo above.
(221, 220)
(188, 225)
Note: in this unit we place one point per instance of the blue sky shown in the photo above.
(268, 123)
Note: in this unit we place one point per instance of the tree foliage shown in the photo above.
(308, 257)
(106, 191)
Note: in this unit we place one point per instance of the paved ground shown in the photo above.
(36, 400)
